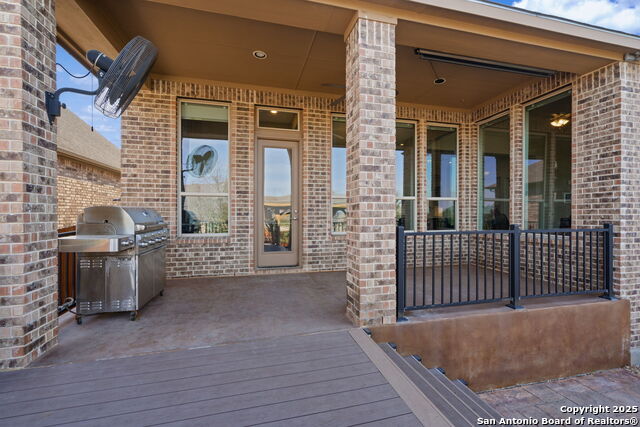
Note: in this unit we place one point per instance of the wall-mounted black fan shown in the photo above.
(119, 80)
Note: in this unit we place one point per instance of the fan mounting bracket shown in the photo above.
(53, 104)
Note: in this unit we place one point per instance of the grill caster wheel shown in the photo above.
(161, 293)
(133, 316)
(79, 320)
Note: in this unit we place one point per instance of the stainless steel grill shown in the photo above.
(121, 259)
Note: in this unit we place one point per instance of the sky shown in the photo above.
(622, 15)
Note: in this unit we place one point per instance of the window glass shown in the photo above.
(548, 166)
(494, 174)
(339, 175)
(277, 119)
(442, 177)
(406, 174)
(204, 177)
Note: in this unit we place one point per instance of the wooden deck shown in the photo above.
(319, 379)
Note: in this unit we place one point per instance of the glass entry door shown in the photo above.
(278, 211)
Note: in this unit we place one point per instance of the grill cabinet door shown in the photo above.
(121, 285)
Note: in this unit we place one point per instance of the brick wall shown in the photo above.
(80, 185)
(28, 245)
(606, 169)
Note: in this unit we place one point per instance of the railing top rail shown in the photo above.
(455, 232)
(565, 230)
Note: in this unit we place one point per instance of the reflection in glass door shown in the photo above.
(278, 207)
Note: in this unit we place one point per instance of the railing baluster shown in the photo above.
(591, 260)
(484, 269)
(570, 261)
(477, 263)
(501, 265)
(451, 268)
(442, 269)
(469, 267)
(526, 263)
(556, 259)
(433, 269)
(564, 261)
(459, 268)
(415, 255)
(598, 260)
(584, 264)
(533, 236)
(493, 265)
(548, 263)
(424, 270)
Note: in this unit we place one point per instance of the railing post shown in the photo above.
(400, 279)
(514, 266)
(608, 261)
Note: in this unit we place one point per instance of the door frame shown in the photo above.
(278, 138)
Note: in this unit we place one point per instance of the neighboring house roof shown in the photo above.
(75, 139)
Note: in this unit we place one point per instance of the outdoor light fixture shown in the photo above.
(259, 54)
(432, 55)
(273, 111)
(559, 120)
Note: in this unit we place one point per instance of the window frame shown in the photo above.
(525, 147)
(180, 193)
(284, 110)
(415, 124)
(481, 198)
(456, 199)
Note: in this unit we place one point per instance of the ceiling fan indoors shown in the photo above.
(119, 80)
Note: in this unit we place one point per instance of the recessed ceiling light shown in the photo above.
(440, 81)
(259, 54)
(273, 111)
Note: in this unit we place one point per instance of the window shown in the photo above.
(204, 168)
(406, 174)
(548, 163)
(442, 177)
(494, 174)
(339, 175)
(273, 118)
(405, 157)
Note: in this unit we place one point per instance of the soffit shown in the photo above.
(196, 43)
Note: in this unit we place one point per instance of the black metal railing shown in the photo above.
(447, 268)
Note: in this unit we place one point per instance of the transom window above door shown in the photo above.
(278, 118)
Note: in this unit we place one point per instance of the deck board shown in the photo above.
(321, 379)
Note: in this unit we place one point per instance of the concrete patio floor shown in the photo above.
(209, 311)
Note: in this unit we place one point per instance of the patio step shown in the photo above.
(453, 398)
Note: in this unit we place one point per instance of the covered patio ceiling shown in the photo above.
(304, 40)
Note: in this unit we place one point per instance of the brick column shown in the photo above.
(606, 171)
(28, 238)
(516, 174)
(371, 114)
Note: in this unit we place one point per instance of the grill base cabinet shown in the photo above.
(121, 259)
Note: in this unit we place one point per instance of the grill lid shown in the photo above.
(104, 220)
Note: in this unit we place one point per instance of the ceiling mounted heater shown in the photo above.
(119, 80)
(432, 55)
